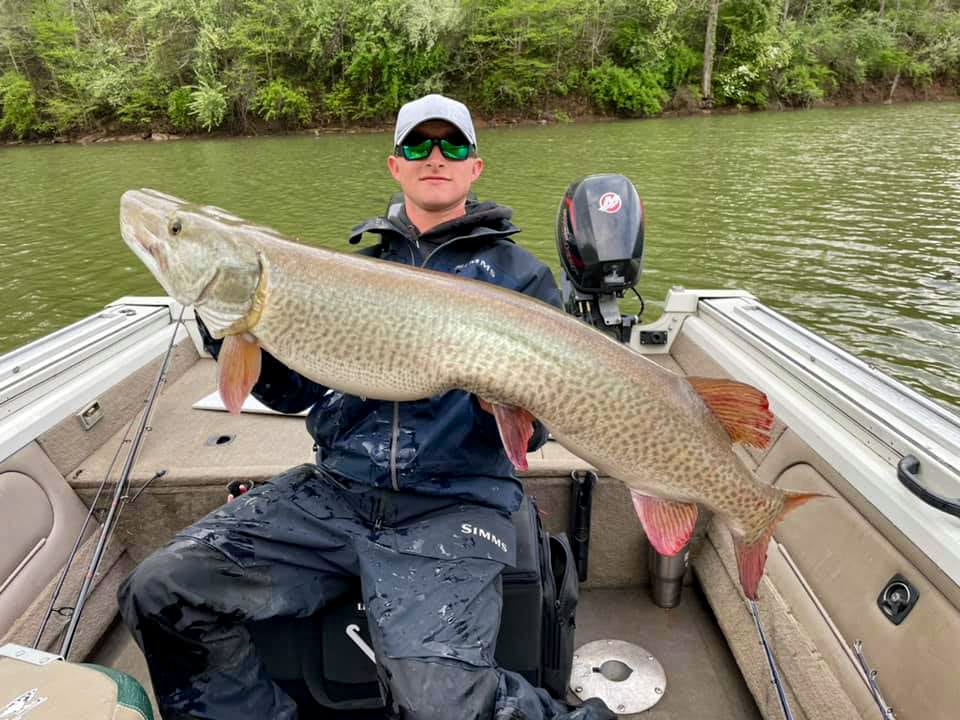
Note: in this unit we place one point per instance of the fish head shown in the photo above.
(200, 255)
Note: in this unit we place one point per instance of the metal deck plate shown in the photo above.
(625, 676)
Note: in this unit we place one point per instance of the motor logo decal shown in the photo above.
(610, 203)
(20, 706)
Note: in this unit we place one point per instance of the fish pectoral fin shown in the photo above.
(752, 557)
(742, 409)
(516, 428)
(668, 524)
(238, 368)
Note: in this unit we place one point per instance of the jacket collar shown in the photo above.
(482, 219)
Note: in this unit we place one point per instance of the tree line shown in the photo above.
(69, 66)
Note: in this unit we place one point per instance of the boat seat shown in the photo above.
(39, 686)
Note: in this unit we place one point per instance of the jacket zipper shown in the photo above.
(378, 517)
(395, 435)
(394, 438)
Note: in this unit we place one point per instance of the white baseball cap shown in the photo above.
(434, 107)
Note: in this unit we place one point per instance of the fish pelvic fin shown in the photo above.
(742, 409)
(516, 428)
(752, 557)
(238, 368)
(668, 524)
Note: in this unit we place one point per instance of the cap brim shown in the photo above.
(401, 133)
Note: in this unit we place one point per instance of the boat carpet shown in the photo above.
(702, 676)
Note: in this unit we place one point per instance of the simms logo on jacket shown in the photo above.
(468, 529)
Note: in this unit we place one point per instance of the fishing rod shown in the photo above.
(774, 672)
(117, 501)
(76, 545)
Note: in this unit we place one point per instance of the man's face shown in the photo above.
(435, 184)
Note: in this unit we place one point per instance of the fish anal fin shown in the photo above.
(238, 366)
(752, 557)
(742, 409)
(516, 429)
(668, 524)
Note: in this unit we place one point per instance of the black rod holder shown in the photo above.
(581, 503)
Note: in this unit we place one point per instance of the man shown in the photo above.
(392, 488)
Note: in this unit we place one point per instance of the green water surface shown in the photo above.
(847, 221)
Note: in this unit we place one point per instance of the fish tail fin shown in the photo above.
(752, 557)
(238, 367)
(742, 409)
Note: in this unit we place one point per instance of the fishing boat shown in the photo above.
(859, 609)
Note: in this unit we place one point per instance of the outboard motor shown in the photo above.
(600, 243)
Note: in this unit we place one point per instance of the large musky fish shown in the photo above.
(392, 332)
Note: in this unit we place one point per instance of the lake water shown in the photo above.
(847, 221)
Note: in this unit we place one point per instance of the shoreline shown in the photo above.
(864, 96)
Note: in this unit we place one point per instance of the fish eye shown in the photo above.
(175, 227)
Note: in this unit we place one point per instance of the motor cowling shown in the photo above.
(600, 241)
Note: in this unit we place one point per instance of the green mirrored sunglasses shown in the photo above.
(422, 150)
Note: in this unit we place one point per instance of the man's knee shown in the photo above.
(427, 689)
(163, 579)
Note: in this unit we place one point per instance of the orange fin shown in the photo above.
(239, 367)
(752, 557)
(516, 429)
(668, 524)
(743, 410)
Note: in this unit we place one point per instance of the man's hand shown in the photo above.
(236, 488)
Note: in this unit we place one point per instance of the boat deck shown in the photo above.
(702, 676)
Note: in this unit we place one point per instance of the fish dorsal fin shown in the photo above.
(668, 524)
(238, 366)
(743, 410)
(516, 429)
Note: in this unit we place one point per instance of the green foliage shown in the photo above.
(194, 64)
(277, 100)
(627, 91)
(208, 104)
(178, 108)
(940, 49)
(18, 106)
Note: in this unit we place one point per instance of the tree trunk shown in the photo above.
(893, 87)
(786, 11)
(16, 67)
(708, 51)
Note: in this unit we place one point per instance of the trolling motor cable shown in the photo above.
(643, 305)
(109, 522)
(774, 672)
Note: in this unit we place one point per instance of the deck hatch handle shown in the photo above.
(907, 470)
(90, 415)
(897, 598)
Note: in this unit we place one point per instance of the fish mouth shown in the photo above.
(147, 247)
(142, 222)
